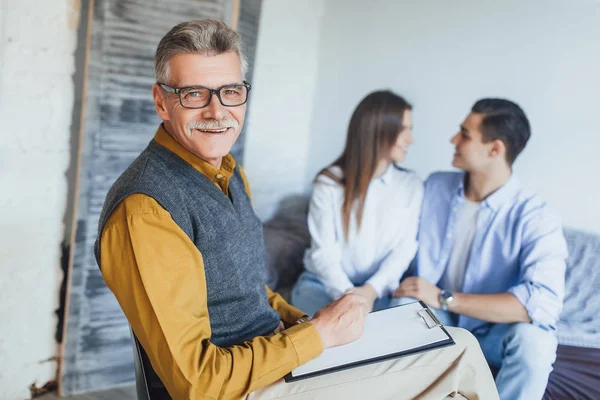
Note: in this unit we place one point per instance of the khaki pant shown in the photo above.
(459, 369)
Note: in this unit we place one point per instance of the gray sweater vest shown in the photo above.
(225, 230)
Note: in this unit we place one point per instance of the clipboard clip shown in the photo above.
(429, 317)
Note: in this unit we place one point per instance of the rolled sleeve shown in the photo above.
(381, 285)
(542, 305)
(542, 277)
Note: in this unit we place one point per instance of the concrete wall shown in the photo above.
(37, 41)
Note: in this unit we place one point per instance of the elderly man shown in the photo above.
(182, 250)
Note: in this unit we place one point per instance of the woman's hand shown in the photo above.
(367, 293)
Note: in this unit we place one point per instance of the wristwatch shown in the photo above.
(306, 318)
(446, 297)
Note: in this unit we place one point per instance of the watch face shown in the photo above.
(446, 296)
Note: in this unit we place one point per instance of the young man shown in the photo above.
(182, 250)
(491, 254)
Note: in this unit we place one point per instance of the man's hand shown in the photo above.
(341, 321)
(420, 289)
(367, 293)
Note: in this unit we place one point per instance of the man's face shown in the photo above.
(225, 122)
(471, 153)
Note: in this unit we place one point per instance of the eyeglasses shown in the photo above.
(231, 95)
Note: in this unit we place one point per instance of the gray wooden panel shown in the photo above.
(119, 122)
(249, 16)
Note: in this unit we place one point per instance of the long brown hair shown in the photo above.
(373, 130)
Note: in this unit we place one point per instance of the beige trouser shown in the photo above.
(432, 375)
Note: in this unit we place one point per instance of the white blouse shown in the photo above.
(381, 250)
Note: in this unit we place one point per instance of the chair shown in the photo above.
(147, 383)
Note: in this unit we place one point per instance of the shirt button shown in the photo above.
(449, 236)
(219, 176)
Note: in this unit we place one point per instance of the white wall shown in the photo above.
(283, 91)
(442, 56)
(37, 40)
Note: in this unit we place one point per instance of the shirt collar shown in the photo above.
(219, 176)
(386, 177)
(496, 199)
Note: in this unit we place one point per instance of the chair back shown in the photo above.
(147, 383)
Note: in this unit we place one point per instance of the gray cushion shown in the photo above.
(579, 324)
(286, 239)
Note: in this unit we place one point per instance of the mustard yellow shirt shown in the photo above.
(157, 275)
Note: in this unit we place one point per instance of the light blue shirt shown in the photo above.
(518, 246)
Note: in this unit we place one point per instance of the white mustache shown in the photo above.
(212, 124)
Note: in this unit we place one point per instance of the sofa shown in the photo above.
(576, 373)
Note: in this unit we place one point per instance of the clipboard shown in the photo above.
(390, 333)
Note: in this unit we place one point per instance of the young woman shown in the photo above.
(364, 211)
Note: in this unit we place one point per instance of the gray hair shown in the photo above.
(204, 36)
